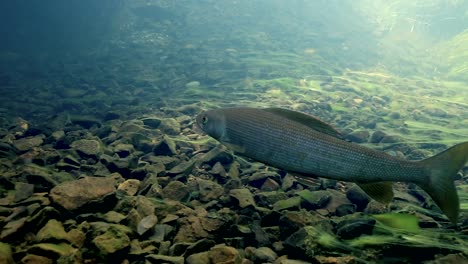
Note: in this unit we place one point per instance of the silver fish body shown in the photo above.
(300, 143)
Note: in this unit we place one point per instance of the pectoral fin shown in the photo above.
(382, 192)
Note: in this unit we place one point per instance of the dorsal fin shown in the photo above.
(307, 120)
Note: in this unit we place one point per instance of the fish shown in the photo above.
(307, 146)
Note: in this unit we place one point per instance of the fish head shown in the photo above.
(212, 122)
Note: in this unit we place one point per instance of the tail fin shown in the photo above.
(443, 167)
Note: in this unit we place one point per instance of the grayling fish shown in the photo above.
(302, 144)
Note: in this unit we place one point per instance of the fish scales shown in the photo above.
(277, 141)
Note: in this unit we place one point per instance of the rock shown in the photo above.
(203, 245)
(53, 231)
(23, 191)
(309, 241)
(222, 254)
(111, 241)
(216, 155)
(199, 258)
(270, 185)
(314, 199)
(261, 254)
(175, 190)
(113, 217)
(35, 259)
(345, 209)
(336, 260)
(75, 194)
(169, 126)
(194, 228)
(123, 150)
(285, 260)
(146, 224)
(209, 190)
(337, 199)
(192, 85)
(391, 139)
(161, 231)
(291, 221)
(352, 228)
(28, 143)
(267, 199)
(12, 228)
(53, 250)
(87, 148)
(359, 136)
(291, 204)
(258, 178)
(218, 169)
(377, 136)
(165, 147)
(243, 197)
(130, 187)
(358, 197)
(157, 259)
(449, 259)
(6, 254)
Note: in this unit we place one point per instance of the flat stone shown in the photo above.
(130, 187)
(209, 190)
(175, 190)
(224, 254)
(25, 144)
(87, 147)
(53, 231)
(111, 241)
(153, 258)
(243, 196)
(74, 194)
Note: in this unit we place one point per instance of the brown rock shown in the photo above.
(74, 194)
(175, 190)
(222, 254)
(25, 144)
(130, 186)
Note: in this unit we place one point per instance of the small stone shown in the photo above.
(146, 224)
(111, 241)
(224, 254)
(262, 254)
(218, 169)
(192, 85)
(23, 191)
(6, 254)
(199, 258)
(35, 259)
(352, 228)
(314, 199)
(75, 194)
(292, 203)
(165, 147)
(28, 143)
(130, 187)
(377, 136)
(243, 196)
(209, 190)
(114, 217)
(53, 231)
(358, 197)
(123, 150)
(169, 126)
(56, 250)
(270, 185)
(87, 147)
(157, 259)
(175, 190)
(359, 136)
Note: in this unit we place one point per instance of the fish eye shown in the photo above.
(204, 120)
